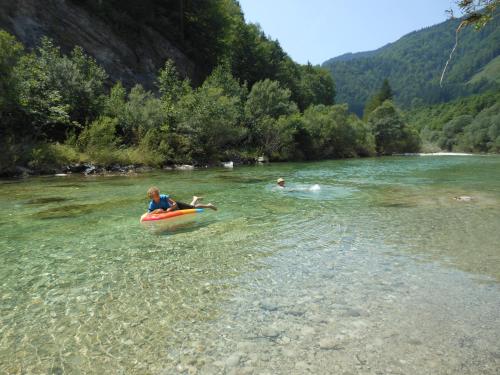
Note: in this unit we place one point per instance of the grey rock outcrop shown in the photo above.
(131, 60)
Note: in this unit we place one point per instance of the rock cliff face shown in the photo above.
(130, 60)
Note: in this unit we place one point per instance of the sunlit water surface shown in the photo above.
(378, 271)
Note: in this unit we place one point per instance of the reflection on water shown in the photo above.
(379, 271)
(181, 224)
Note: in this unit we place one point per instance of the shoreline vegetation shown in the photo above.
(90, 169)
(57, 110)
(60, 113)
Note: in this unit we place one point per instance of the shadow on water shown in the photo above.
(241, 179)
(68, 186)
(183, 228)
(45, 200)
(397, 204)
(63, 212)
(78, 209)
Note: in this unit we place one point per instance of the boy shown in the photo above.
(281, 182)
(161, 202)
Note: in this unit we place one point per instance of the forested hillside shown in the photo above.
(173, 82)
(470, 124)
(226, 91)
(414, 63)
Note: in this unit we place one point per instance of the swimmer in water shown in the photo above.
(281, 185)
(463, 198)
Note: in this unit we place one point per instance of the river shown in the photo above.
(377, 271)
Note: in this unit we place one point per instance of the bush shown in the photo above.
(99, 140)
(135, 114)
(451, 130)
(266, 103)
(10, 53)
(335, 133)
(268, 99)
(483, 133)
(57, 91)
(210, 120)
(392, 135)
(155, 148)
(46, 156)
(170, 86)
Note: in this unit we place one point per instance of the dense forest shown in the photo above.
(470, 124)
(59, 108)
(214, 32)
(249, 99)
(56, 110)
(414, 64)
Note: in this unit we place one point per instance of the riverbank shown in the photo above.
(93, 169)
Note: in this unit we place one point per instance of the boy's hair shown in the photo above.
(152, 191)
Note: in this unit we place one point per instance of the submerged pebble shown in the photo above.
(329, 343)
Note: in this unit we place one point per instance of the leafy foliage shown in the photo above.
(10, 53)
(58, 110)
(478, 12)
(414, 64)
(213, 33)
(392, 134)
(470, 124)
(385, 93)
(335, 133)
(210, 120)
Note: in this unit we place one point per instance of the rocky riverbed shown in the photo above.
(350, 310)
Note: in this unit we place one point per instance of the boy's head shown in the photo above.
(281, 182)
(153, 193)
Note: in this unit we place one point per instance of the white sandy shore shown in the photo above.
(435, 154)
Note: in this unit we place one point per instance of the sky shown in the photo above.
(316, 30)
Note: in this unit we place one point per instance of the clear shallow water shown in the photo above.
(380, 271)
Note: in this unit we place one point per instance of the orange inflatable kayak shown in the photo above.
(169, 215)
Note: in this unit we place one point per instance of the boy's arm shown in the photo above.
(173, 205)
(151, 209)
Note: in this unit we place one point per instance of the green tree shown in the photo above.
(10, 53)
(41, 102)
(209, 121)
(335, 133)
(268, 98)
(101, 134)
(169, 84)
(11, 119)
(478, 12)
(451, 131)
(59, 92)
(222, 78)
(99, 140)
(384, 93)
(392, 134)
(139, 113)
(316, 86)
(266, 103)
(483, 133)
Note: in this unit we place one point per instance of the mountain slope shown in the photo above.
(413, 65)
(491, 72)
